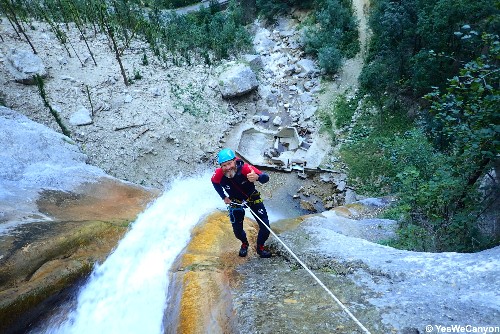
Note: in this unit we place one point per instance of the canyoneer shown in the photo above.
(234, 181)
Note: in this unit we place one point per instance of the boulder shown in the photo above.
(262, 42)
(81, 117)
(58, 217)
(254, 61)
(308, 66)
(237, 80)
(277, 121)
(24, 65)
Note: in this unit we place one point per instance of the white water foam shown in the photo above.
(128, 292)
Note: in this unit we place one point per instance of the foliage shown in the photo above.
(436, 164)
(17, 13)
(175, 3)
(163, 4)
(430, 206)
(375, 160)
(333, 34)
(339, 114)
(427, 186)
(406, 33)
(188, 98)
(436, 174)
(271, 9)
(344, 110)
(207, 35)
(466, 121)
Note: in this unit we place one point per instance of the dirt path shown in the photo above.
(348, 76)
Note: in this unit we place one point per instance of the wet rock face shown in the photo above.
(58, 217)
(200, 298)
(387, 290)
(391, 290)
(42, 258)
(277, 296)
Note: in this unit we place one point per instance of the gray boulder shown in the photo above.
(81, 117)
(237, 80)
(262, 42)
(308, 66)
(254, 61)
(24, 65)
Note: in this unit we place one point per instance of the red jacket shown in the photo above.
(237, 187)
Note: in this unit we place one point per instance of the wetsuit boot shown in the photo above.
(244, 249)
(262, 252)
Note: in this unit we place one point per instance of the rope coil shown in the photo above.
(309, 271)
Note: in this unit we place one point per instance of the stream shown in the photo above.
(128, 292)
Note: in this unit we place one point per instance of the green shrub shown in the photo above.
(326, 118)
(338, 114)
(145, 61)
(271, 9)
(206, 35)
(172, 4)
(432, 206)
(344, 109)
(430, 210)
(41, 89)
(377, 78)
(137, 74)
(333, 34)
(329, 58)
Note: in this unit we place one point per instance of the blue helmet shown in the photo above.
(225, 155)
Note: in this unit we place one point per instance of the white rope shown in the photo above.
(310, 272)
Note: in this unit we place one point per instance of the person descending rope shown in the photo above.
(236, 179)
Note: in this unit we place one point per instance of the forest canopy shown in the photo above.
(425, 123)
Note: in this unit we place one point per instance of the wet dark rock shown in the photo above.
(59, 217)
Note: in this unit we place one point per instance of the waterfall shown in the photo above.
(127, 293)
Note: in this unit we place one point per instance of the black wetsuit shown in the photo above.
(239, 189)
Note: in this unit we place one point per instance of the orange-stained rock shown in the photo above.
(106, 200)
(39, 259)
(203, 274)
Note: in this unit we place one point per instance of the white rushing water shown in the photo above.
(128, 292)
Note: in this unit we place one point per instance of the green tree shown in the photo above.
(466, 117)
(17, 15)
(445, 204)
(393, 41)
(407, 33)
(271, 9)
(439, 176)
(449, 27)
(333, 34)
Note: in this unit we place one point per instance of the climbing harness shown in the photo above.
(244, 204)
(231, 209)
(254, 198)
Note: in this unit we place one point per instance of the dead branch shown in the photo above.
(118, 128)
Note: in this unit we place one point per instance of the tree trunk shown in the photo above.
(117, 52)
(19, 27)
